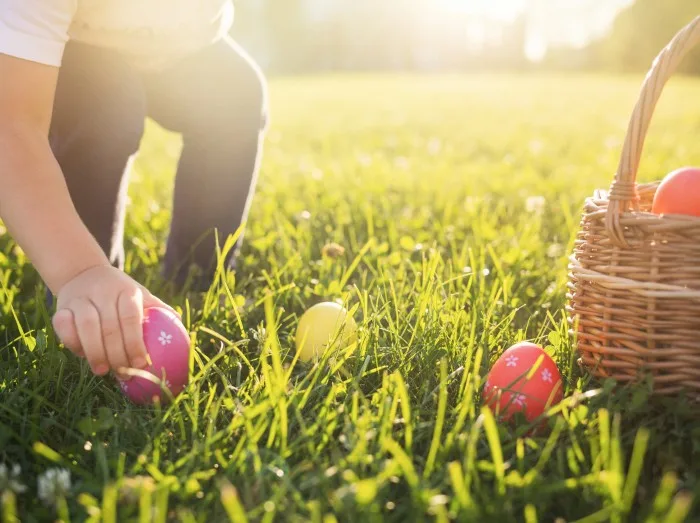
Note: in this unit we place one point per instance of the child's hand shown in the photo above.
(101, 309)
(100, 315)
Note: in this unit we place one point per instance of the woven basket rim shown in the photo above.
(680, 219)
(600, 199)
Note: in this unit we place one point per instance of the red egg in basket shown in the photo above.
(168, 345)
(678, 193)
(524, 379)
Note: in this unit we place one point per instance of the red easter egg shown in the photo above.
(524, 379)
(679, 193)
(168, 345)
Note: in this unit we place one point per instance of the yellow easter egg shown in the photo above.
(324, 325)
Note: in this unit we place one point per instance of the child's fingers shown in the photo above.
(87, 323)
(130, 306)
(112, 338)
(64, 325)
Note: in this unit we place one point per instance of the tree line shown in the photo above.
(292, 36)
(638, 34)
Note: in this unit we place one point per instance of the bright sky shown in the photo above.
(573, 22)
(499, 9)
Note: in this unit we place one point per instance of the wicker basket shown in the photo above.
(634, 277)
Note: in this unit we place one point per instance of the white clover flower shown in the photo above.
(555, 250)
(535, 204)
(54, 484)
(536, 146)
(9, 479)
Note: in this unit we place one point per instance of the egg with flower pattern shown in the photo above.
(168, 346)
(524, 379)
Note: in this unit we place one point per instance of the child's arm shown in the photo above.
(99, 307)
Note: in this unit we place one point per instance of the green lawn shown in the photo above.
(456, 199)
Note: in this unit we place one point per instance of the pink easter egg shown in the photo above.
(168, 345)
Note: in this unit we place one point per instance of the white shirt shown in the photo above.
(148, 33)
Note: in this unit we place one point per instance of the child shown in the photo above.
(77, 80)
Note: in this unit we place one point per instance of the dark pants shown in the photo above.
(215, 99)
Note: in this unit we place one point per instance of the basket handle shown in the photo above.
(623, 191)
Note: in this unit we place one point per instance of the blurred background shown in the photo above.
(307, 36)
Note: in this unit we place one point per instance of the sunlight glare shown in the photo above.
(496, 9)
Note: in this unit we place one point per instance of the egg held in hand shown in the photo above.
(524, 379)
(324, 326)
(168, 346)
(678, 193)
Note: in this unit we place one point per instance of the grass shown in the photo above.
(456, 199)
